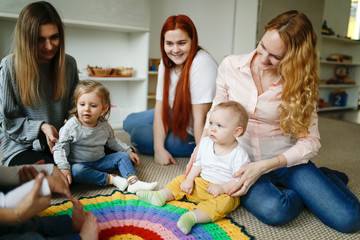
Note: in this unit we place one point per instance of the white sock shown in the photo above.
(118, 182)
(140, 186)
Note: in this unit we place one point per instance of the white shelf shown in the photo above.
(335, 108)
(340, 63)
(112, 79)
(338, 39)
(338, 86)
(86, 24)
(98, 40)
(335, 45)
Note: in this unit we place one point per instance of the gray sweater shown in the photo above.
(20, 125)
(78, 143)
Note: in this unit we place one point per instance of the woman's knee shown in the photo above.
(128, 123)
(134, 120)
(143, 139)
(346, 222)
(279, 210)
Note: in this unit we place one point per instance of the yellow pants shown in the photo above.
(216, 208)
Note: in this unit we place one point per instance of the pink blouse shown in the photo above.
(263, 138)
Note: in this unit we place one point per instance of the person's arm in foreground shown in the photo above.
(29, 205)
(161, 155)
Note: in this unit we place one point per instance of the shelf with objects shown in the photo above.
(153, 75)
(105, 46)
(339, 73)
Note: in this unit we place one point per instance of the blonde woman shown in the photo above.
(278, 86)
(37, 83)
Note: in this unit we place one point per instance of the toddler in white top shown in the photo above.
(218, 158)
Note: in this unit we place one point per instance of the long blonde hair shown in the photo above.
(89, 86)
(300, 72)
(26, 56)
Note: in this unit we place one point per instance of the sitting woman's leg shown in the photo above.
(271, 205)
(142, 137)
(29, 156)
(178, 148)
(140, 128)
(326, 196)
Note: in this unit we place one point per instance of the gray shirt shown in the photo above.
(20, 125)
(78, 143)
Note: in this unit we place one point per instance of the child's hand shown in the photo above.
(215, 189)
(187, 186)
(67, 174)
(134, 158)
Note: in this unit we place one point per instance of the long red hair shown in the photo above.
(182, 101)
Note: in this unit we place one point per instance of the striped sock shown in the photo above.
(156, 198)
(186, 222)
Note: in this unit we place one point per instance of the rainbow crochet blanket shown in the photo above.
(124, 216)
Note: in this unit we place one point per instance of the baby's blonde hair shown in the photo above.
(238, 111)
(89, 86)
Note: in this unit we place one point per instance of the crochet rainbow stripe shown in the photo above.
(124, 216)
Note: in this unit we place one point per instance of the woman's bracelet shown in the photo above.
(18, 220)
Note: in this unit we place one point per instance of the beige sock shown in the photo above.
(136, 185)
(118, 182)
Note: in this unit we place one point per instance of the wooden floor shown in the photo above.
(345, 115)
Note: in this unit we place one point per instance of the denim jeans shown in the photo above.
(96, 172)
(140, 127)
(325, 194)
(39, 228)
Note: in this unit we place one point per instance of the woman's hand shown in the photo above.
(163, 157)
(249, 175)
(134, 158)
(27, 173)
(192, 160)
(51, 134)
(33, 202)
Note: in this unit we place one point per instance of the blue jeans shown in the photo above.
(39, 228)
(140, 127)
(96, 172)
(325, 194)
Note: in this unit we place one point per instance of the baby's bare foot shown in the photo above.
(78, 215)
(90, 228)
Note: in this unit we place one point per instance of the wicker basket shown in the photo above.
(109, 72)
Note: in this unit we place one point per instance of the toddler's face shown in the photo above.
(89, 107)
(222, 126)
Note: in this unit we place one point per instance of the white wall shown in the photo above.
(336, 14)
(218, 29)
(314, 10)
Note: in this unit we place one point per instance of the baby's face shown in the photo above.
(223, 126)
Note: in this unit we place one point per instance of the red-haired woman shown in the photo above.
(185, 90)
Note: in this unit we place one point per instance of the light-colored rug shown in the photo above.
(340, 150)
